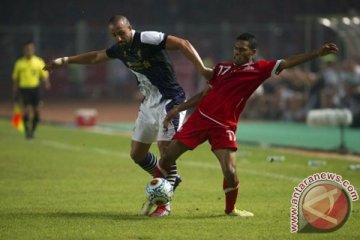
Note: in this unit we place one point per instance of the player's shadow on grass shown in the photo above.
(79, 215)
(97, 215)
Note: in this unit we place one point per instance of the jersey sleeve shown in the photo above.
(43, 74)
(112, 52)
(157, 39)
(215, 73)
(269, 68)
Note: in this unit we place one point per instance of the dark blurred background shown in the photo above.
(283, 28)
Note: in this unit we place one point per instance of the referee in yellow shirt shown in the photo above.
(26, 78)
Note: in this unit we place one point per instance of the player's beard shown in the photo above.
(122, 44)
(125, 44)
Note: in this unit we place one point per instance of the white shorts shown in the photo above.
(149, 123)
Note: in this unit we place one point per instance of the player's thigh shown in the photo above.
(35, 98)
(173, 151)
(174, 125)
(28, 109)
(146, 126)
(25, 97)
(178, 120)
(162, 145)
(222, 138)
(226, 157)
(223, 144)
(193, 133)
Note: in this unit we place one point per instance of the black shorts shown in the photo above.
(30, 96)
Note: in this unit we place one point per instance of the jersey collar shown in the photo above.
(246, 64)
(132, 33)
(132, 37)
(131, 44)
(29, 59)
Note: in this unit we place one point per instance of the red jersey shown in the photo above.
(231, 86)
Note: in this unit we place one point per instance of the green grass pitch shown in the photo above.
(72, 184)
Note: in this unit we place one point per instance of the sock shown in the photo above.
(149, 163)
(159, 173)
(172, 174)
(167, 172)
(35, 122)
(231, 194)
(26, 124)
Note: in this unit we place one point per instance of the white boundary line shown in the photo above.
(107, 152)
(65, 146)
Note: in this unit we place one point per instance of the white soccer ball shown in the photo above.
(159, 191)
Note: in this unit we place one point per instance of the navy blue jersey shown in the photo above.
(146, 57)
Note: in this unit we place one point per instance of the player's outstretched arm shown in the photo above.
(93, 57)
(192, 102)
(305, 57)
(175, 43)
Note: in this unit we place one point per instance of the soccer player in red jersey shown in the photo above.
(219, 106)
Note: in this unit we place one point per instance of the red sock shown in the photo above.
(231, 194)
(157, 173)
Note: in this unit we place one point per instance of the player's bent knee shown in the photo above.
(36, 112)
(27, 111)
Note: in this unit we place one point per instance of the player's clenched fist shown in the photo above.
(56, 63)
(170, 116)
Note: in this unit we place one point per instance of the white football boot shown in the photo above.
(146, 208)
(240, 213)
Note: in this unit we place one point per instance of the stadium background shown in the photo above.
(64, 28)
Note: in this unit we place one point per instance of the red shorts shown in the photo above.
(198, 128)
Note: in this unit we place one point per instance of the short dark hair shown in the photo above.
(249, 38)
(115, 18)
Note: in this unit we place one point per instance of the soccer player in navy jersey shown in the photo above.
(219, 106)
(144, 54)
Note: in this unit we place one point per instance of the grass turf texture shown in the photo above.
(71, 184)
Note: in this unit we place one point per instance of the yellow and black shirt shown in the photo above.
(28, 72)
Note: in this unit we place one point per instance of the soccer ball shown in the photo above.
(159, 191)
